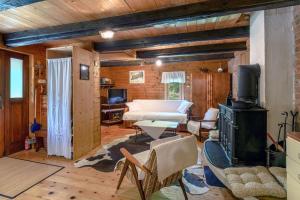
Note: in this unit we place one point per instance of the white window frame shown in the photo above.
(181, 91)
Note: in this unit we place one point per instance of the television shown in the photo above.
(248, 80)
(116, 96)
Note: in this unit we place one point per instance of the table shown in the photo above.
(155, 128)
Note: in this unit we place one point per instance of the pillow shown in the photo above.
(133, 106)
(211, 114)
(184, 106)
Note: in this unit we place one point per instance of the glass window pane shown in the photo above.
(174, 91)
(16, 78)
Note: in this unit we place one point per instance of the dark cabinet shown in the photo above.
(243, 135)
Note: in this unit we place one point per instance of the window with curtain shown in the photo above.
(174, 85)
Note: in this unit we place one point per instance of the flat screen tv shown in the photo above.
(116, 96)
(248, 78)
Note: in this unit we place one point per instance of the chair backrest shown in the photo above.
(151, 183)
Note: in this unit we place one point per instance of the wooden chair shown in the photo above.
(198, 126)
(150, 183)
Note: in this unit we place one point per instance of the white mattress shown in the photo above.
(164, 116)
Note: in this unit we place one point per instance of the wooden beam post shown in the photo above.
(175, 59)
(189, 50)
(218, 34)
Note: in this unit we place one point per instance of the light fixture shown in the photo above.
(158, 63)
(107, 34)
(220, 70)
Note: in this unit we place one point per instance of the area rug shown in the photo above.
(106, 158)
(17, 176)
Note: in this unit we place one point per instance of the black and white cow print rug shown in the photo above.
(106, 158)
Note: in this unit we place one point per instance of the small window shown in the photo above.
(16, 78)
(174, 91)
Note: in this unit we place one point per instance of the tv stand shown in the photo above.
(112, 113)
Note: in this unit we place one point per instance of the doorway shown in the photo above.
(14, 105)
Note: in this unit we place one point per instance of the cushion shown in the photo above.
(280, 174)
(211, 114)
(164, 116)
(184, 107)
(133, 106)
(155, 105)
(253, 181)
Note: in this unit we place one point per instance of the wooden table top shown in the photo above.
(294, 135)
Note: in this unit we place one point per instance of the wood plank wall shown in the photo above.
(86, 105)
(195, 88)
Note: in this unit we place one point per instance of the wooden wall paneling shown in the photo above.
(199, 93)
(220, 88)
(2, 109)
(96, 99)
(83, 109)
(209, 79)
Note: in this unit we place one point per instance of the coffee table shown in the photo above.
(155, 128)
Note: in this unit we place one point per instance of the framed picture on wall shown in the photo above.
(84, 72)
(136, 77)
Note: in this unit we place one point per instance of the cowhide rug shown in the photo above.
(106, 158)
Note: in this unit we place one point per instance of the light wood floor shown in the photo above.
(87, 183)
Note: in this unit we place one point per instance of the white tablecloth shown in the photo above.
(155, 128)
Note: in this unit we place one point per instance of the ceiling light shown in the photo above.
(158, 63)
(107, 34)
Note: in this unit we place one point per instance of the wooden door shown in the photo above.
(16, 108)
(199, 93)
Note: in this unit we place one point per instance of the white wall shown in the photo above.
(272, 46)
(257, 48)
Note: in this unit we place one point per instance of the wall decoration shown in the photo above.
(84, 72)
(136, 77)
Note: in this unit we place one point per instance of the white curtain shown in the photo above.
(59, 107)
(173, 77)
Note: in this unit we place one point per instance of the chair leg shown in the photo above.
(123, 173)
(138, 182)
(183, 189)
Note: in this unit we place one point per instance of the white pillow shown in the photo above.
(211, 114)
(184, 106)
(133, 106)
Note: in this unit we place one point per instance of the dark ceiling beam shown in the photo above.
(212, 48)
(175, 59)
(8, 4)
(145, 19)
(218, 34)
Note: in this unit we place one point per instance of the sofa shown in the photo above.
(165, 110)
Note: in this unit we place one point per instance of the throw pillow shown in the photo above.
(184, 107)
(133, 106)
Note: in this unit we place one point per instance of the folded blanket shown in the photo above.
(175, 156)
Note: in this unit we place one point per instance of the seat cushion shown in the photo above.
(253, 181)
(164, 116)
(142, 157)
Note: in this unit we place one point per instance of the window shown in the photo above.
(174, 91)
(16, 78)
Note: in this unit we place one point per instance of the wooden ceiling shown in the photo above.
(18, 23)
(57, 12)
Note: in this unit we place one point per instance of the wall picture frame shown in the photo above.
(84, 72)
(137, 77)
